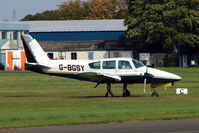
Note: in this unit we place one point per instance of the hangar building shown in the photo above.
(11, 48)
(82, 39)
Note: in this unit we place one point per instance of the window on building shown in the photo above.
(108, 64)
(116, 54)
(50, 55)
(15, 35)
(11, 36)
(90, 56)
(124, 65)
(26, 32)
(95, 65)
(73, 56)
(3, 35)
(62, 55)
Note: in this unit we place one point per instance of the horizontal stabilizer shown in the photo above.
(35, 67)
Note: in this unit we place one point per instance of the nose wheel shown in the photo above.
(109, 92)
(154, 94)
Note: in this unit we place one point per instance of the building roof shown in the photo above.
(85, 45)
(3, 42)
(13, 26)
(76, 25)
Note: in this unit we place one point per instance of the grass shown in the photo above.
(30, 99)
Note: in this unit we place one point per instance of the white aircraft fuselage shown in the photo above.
(77, 68)
(113, 70)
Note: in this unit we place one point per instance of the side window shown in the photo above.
(124, 65)
(90, 56)
(3, 35)
(95, 65)
(108, 64)
(15, 35)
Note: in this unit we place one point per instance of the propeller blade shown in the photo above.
(145, 85)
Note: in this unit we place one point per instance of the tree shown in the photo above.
(105, 9)
(71, 10)
(79, 10)
(164, 22)
(46, 15)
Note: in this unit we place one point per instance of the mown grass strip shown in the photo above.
(30, 99)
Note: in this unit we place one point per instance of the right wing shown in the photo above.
(98, 77)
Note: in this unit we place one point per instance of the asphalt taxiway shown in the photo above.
(159, 126)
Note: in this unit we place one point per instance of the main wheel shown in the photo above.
(155, 94)
(109, 94)
(127, 94)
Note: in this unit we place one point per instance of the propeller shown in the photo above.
(146, 76)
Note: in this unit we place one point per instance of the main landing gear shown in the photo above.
(109, 92)
(126, 92)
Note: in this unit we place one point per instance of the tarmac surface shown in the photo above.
(160, 126)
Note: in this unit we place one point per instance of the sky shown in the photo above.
(25, 7)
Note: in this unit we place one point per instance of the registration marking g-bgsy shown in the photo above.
(71, 67)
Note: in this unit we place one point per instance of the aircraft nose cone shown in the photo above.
(164, 75)
(176, 77)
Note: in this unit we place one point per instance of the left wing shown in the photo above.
(98, 77)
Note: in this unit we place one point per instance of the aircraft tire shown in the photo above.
(155, 94)
(109, 94)
(127, 94)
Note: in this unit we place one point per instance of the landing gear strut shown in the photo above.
(154, 94)
(126, 92)
(109, 93)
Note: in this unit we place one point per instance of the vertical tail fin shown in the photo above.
(34, 52)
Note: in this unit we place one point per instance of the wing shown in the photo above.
(98, 77)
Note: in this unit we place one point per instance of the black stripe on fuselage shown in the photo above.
(124, 79)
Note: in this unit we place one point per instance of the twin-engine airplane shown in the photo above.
(108, 71)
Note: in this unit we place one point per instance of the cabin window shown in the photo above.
(108, 64)
(124, 65)
(95, 65)
(137, 63)
(73, 56)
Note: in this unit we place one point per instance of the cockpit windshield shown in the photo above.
(137, 63)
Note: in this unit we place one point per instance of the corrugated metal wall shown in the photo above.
(78, 36)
